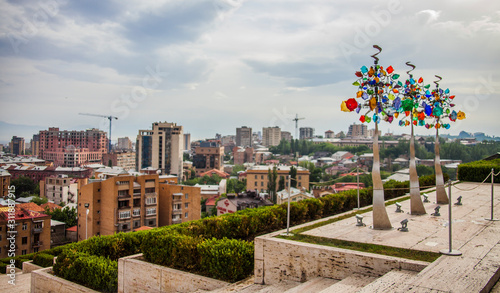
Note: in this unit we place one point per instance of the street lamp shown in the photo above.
(86, 221)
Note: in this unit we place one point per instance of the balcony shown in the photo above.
(123, 195)
(137, 194)
(177, 212)
(36, 244)
(150, 194)
(177, 197)
(177, 221)
(123, 207)
(37, 230)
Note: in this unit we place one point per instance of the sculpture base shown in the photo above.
(451, 253)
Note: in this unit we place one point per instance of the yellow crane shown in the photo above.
(110, 118)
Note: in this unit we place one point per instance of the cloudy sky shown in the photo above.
(214, 65)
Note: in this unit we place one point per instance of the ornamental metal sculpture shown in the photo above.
(413, 93)
(439, 107)
(377, 89)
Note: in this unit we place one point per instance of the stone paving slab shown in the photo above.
(426, 232)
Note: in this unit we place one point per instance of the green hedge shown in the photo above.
(477, 171)
(225, 259)
(3, 267)
(43, 259)
(96, 272)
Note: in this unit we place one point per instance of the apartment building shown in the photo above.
(72, 148)
(35, 145)
(124, 144)
(244, 136)
(257, 177)
(61, 189)
(161, 148)
(271, 136)
(122, 159)
(17, 146)
(118, 204)
(178, 204)
(208, 155)
(357, 130)
(4, 183)
(286, 135)
(306, 132)
(32, 231)
(242, 155)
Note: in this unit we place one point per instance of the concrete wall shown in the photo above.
(136, 275)
(29, 266)
(277, 260)
(44, 281)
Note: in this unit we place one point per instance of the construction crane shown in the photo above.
(296, 119)
(110, 118)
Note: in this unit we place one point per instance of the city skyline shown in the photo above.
(214, 66)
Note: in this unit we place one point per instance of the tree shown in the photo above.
(23, 184)
(67, 215)
(293, 177)
(271, 185)
(281, 183)
(39, 200)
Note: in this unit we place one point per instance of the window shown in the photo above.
(177, 206)
(24, 240)
(150, 200)
(124, 215)
(136, 224)
(261, 183)
(137, 212)
(255, 176)
(150, 211)
(300, 184)
(36, 249)
(122, 192)
(186, 215)
(186, 196)
(255, 183)
(24, 252)
(300, 177)
(262, 177)
(25, 226)
(98, 222)
(186, 205)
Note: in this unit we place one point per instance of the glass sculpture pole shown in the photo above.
(416, 205)
(439, 107)
(376, 91)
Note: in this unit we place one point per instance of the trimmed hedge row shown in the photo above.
(96, 272)
(43, 259)
(225, 259)
(477, 171)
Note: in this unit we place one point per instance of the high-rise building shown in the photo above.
(161, 148)
(187, 141)
(306, 132)
(35, 145)
(72, 148)
(124, 143)
(16, 146)
(357, 130)
(244, 136)
(209, 155)
(271, 136)
(286, 135)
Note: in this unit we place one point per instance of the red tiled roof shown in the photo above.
(71, 229)
(211, 201)
(52, 206)
(20, 214)
(31, 206)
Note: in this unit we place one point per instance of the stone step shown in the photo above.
(392, 281)
(313, 285)
(275, 288)
(352, 283)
